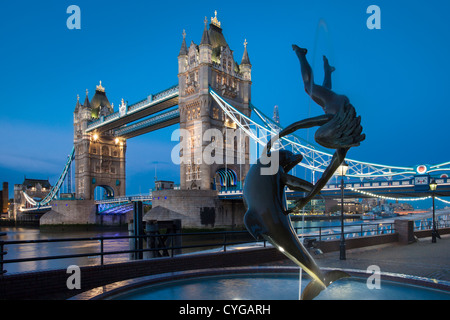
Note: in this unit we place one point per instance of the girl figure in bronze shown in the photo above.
(339, 128)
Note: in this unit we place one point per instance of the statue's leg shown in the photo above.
(328, 70)
(336, 161)
(320, 94)
(306, 123)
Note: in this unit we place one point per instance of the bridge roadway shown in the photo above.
(159, 121)
(396, 189)
(121, 205)
(121, 120)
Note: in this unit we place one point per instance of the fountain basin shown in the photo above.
(266, 283)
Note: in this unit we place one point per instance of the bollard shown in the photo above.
(176, 240)
(131, 242)
(151, 229)
(138, 211)
(405, 230)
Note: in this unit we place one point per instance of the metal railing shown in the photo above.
(171, 246)
(327, 233)
(222, 239)
(428, 224)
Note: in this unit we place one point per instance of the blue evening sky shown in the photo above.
(396, 77)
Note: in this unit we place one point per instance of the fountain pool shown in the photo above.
(271, 283)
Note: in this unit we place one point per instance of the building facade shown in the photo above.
(37, 189)
(99, 157)
(214, 155)
(4, 199)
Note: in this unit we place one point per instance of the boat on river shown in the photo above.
(380, 212)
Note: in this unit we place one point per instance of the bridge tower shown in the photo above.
(99, 157)
(212, 64)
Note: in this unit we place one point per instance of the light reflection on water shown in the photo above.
(21, 251)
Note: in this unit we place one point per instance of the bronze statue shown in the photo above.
(267, 216)
(339, 128)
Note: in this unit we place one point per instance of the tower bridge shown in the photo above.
(213, 94)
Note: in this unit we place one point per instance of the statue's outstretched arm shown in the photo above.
(295, 183)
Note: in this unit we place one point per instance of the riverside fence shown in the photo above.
(102, 250)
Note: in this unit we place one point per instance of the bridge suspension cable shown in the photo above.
(55, 189)
(314, 158)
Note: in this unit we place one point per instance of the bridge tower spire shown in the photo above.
(99, 156)
(276, 115)
(212, 64)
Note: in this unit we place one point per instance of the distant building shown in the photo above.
(164, 185)
(35, 188)
(4, 198)
(315, 206)
(350, 206)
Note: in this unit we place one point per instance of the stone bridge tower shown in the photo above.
(99, 157)
(212, 64)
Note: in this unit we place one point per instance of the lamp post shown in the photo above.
(434, 233)
(342, 171)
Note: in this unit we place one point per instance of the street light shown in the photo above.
(434, 232)
(342, 171)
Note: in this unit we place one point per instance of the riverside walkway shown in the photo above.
(421, 258)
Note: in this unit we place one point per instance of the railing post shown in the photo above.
(138, 210)
(171, 246)
(101, 251)
(2, 253)
(225, 242)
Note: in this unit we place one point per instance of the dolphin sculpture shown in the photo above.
(264, 197)
(267, 218)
